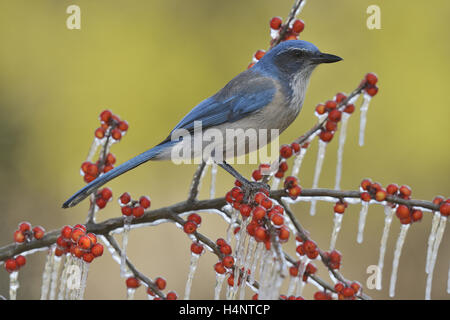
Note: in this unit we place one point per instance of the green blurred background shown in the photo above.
(152, 61)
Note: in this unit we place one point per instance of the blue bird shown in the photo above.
(268, 96)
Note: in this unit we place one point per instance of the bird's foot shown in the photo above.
(251, 188)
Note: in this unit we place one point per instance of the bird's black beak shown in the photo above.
(325, 58)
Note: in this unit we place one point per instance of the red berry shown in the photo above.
(365, 184)
(196, 248)
(275, 23)
(259, 213)
(371, 79)
(444, 209)
(24, 226)
(123, 126)
(125, 198)
(293, 271)
(38, 232)
(190, 227)
(127, 211)
(355, 286)
(105, 193)
(295, 147)
(133, 283)
(76, 234)
(350, 108)
(405, 191)
(283, 166)
(160, 283)
(298, 26)
(92, 170)
(220, 242)
(11, 265)
(340, 97)
(259, 197)
(195, 218)
(372, 90)
(219, 268)
(116, 134)
(330, 126)
(228, 261)
(284, 234)
(365, 196)
(402, 211)
(260, 234)
(21, 261)
(19, 237)
(145, 202)
(99, 133)
(259, 54)
(277, 219)
(105, 116)
(330, 104)
(392, 188)
(101, 203)
(257, 175)
(326, 136)
(309, 246)
(380, 195)
(225, 249)
(172, 295)
(294, 192)
(110, 158)
(339, 287)
(138, 211)
(320, 295)
(245, 210)
(335, 115)
(97, 250)
(286, 152)
(84, 242)
(267, 203)
(348, 292)
(66, 232)
(320, 109)
(339, 207)
(88, 257)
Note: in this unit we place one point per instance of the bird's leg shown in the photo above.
(250, 187)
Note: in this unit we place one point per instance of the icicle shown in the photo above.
(239, 254)
(84, 275)
(256, 259)
(124, 272)
(93, 149)
(64, 275)
(363, 120)
(448, 280)
(205, 169)
(234, 217)
(219, 283)
(46, 275)
(434, 226)
(275, 183)
(397, 253)
(337, 227)
(362, 220)
(292, 285)
(437, 243)
(212, 191)
(319, 163)
(304, 260)
(249, 256)
(192, 268)
(54, 276)
(130, 293)
(340, 152)
(298, 162)
(389, 213)
(13, 284)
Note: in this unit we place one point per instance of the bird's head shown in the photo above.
(294, 56)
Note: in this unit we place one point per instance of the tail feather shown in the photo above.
(124, 167)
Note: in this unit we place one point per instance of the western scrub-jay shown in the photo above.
(267, 96)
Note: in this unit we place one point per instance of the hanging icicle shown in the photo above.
(319, 163)
(363, 120)
(397, 253)
(220, 277)
(212, 190)
(437, 243)
(13, 284)
(389, 213)
(124, 272)
(46, 275)
(192, 268)
(336, 228)
(362, 221)
(340, 152)
(431, 238)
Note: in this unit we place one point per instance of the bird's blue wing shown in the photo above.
(242, 96)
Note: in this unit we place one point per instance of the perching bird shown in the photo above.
(267, 96)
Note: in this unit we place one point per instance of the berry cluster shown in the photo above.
(111, 124)
(132, 207)
(309, 270)
(347, 292)
(276, 25)
(90, 171)
(78, 243)
(292, 187)
(24, 233)
(161, 284)
(102, 197)
(227, 262)
(444, 205)
(14, 264)
(333, 109)
(332, 259)
(193, 222)
(307, 247)
(322, 295)
(370, 82)
(284, 297)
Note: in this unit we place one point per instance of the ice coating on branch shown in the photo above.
(340, 152)
(275, 183)
(362, 221)
(398, 251)
(437, 243)
(234, 218)
(124, 272)
(363, 120)
(389, 213)
(298, 162)
(93, 149)
(319, 163)
(212, 190)
(46, 275)
(13, 284)
(304, 260)
(192, 268)
(431, 238)
(218, 287)
(130, 293)
(336, 228)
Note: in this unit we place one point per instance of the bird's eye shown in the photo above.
(298, 53)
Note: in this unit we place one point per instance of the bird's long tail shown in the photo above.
(124, 167)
